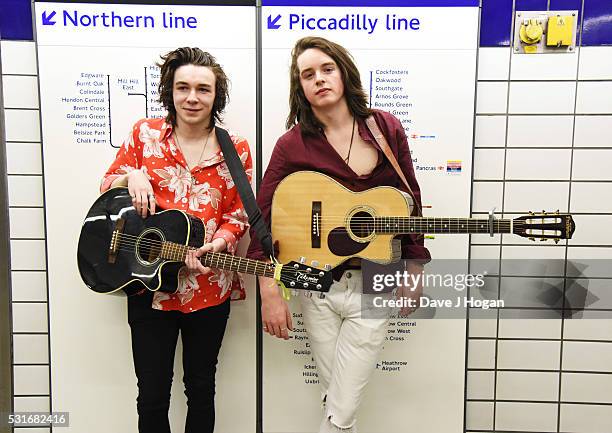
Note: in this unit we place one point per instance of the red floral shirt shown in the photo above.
(207, 192)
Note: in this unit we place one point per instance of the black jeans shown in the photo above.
(154, 337)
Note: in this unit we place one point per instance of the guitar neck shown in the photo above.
(227, 262)
(407, 225)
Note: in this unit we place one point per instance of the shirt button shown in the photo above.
(348, 275)
(184, 199)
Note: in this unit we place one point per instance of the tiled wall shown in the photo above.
(543, 140)
(27, 229)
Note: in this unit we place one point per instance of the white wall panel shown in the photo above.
(593, 230)
(593, 131)
(592, 164)
(594, 97)
(29, 286)
(27, 255)
(584, 418)
(491, 98)
(23, 158)
(27, 223)
(538, 164)
(587, 356)
(30, 317)
(528, 355)
(479, 415)
(31, 379)
(25, 190)
(544, 67)
(588, 388)
(20, 91)
(31, 404)
(481, 354)
(493, 63)
(595, 63)
(480, 385)
(536, 196)
(22, 125)
(542, 97)
(490, 131)
(530, 327)
(591, 197)
(486, 196)
(18, 57)
(30, 349)
(540, 131)
(527, 385)
(526, 416)
(489, 164)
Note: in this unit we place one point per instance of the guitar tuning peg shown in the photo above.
(315, 263)
(557, 212)
(321, 295)
(532, 239)
(327, 267)
(556, 240)
(294, 292)
(543, 240)
(531, 213)
(308, 294)
(302, 260)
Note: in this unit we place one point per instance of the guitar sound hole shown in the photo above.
(149, 247)
(362, 225)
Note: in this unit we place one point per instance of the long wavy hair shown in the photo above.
(299, 107)
(173, 60)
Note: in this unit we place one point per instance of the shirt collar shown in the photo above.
(166, 131)
(365, 133)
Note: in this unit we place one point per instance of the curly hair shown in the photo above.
(173, 60)
(299, 107)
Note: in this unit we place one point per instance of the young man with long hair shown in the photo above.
(176, 163)
(327, 133)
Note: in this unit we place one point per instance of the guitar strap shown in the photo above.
(382, 143)
(244, 190)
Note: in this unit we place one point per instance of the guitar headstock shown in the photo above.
(544, 225)
(300, 276)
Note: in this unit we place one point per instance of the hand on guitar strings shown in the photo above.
(192, 260)
(141, 191)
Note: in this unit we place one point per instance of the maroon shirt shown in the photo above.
(296, 152)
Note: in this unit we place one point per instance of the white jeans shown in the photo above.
(345, 347)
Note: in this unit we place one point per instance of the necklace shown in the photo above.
(346, 160)
(193, 180)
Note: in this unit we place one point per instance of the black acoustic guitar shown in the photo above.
(120, 252)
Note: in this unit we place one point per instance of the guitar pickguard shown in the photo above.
(341, 244)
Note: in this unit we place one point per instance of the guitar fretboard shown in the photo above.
(228, 262)
(439, 225)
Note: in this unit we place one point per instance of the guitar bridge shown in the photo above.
(315, 225)
(115, 240)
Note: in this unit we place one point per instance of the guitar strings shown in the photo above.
(437, 220)
(287, 269)
(158, 243)
(132, 241)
